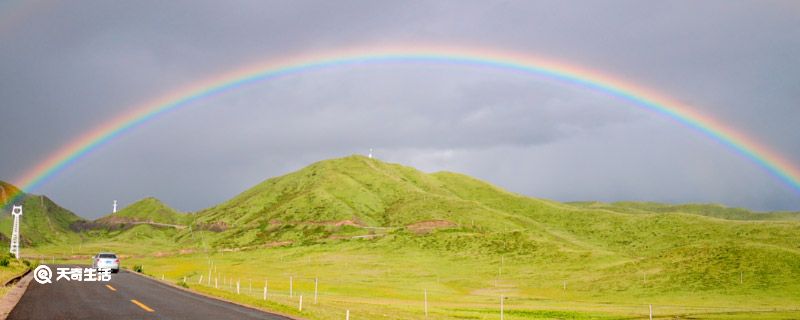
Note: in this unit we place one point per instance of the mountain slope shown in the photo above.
(367, 191)
(43, 221)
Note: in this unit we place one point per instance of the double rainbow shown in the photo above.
(273, 68)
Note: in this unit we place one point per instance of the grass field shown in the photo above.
(386, 278)
(379, 237)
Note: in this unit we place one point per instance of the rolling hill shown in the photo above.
(42, 222)
(355, 197)
(148, 210)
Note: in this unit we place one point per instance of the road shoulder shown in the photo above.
(13, 296)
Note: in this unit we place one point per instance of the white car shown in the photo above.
(106, 260)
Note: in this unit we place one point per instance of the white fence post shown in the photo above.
(301, 302)
(347, 315)
(237, 286)
(316, 282)
(291, 291)
(501, 307)
(201, 279)
(426, 303)
(651, 312)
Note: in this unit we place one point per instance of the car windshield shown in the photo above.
(107, 255)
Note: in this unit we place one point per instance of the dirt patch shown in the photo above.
(341, 223)
(352, 223)
(217, 226)
(277, 244)
(430, 225)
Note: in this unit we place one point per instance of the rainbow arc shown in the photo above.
(274, 68)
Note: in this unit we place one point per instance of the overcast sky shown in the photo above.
(68, 67)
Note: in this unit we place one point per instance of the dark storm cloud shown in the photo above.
(72, 66)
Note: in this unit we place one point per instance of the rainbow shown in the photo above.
(273, 68)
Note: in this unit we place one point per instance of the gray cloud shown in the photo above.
(68, 68)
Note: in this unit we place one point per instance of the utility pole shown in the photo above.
(16, 211)
(115, 206)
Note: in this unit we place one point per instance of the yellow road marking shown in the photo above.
(142, 305)
(111, 288)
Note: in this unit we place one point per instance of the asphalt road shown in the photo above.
(126, 296)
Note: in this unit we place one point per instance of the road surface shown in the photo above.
(126, 296)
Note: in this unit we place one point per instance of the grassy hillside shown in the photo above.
(147, 210)
(677, 247)
(379, 234)
(42, 221)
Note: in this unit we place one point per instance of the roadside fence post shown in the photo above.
(316, 282)
(501, 307)
(426, 303)
(301, 302)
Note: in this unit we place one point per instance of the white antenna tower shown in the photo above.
(16, 211)
(115, 206)
(370, 153)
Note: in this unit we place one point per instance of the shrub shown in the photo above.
(137, 268)
(183, 284)
(4, 261)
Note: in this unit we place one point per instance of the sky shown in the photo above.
(68, 67)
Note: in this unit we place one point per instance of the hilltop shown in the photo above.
(355, 193)
(149, 210)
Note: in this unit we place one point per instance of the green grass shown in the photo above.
(13, 268)
(148, 210)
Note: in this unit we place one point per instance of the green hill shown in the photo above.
(356, 196)
(42, 222)
(150, 210)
